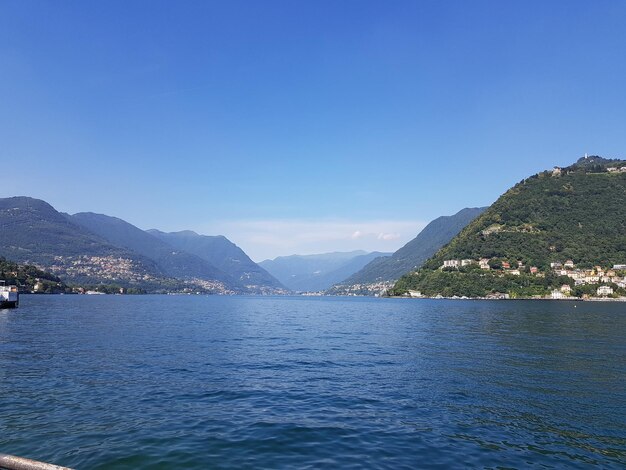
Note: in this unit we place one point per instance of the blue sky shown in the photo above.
(302, 126)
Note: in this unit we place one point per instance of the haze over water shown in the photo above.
(221, 382)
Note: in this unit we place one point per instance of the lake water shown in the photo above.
(134, 382)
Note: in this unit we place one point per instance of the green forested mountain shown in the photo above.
(576, 213)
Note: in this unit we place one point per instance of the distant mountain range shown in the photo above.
(575, 213)
(92, 249)
(312, 273)
(390, 268)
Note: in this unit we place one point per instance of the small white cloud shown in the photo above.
(388, 236)
(356, 235)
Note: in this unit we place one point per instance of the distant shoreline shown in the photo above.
(594, 299)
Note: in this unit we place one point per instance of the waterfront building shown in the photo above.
(557, 294)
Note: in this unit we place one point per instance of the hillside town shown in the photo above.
(110, 267)
(375, 289)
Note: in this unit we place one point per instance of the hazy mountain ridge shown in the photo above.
(172, 262)
(224, 255)
(312, 273)
(435, 235)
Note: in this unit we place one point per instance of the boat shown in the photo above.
(9, 296)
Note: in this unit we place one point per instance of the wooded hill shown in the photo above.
(28, 277)
(575, 213)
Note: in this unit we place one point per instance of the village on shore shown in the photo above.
(603, 283)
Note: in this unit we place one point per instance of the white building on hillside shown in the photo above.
(604, 290)
(451, 263)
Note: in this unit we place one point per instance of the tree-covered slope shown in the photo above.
(411, 256)
(30, 278)
(576, 213)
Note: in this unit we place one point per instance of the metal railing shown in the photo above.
(11, 462)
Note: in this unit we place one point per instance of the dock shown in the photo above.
(11, 462)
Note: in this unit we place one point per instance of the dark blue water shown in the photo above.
(98, 382)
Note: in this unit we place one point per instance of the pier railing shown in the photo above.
(11, 462)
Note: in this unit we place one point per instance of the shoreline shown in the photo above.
(594, 299)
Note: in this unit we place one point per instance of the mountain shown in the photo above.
(94, 249)
(224, 255)
(435, 235)
(171, 261)
(311, 273)
(33, 232)
(575, 214)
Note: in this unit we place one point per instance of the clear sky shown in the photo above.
(302, 126)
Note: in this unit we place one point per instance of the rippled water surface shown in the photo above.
(135, 382)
